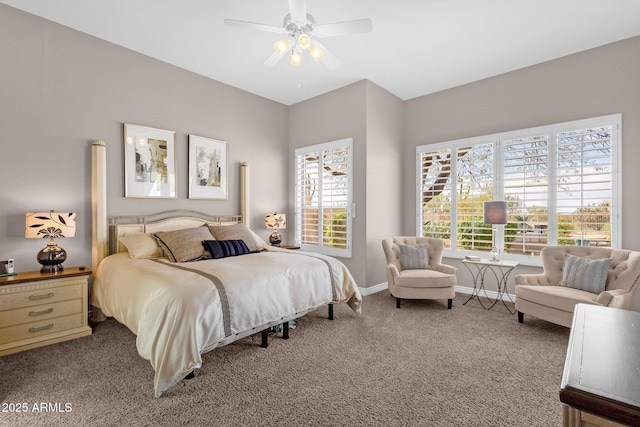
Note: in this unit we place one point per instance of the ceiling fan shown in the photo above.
(303, 34)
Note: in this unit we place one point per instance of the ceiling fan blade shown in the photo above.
(327, 58)
(298, 11)
(275, 57)
(341, 28)
(255, 26)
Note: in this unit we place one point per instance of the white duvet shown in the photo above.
(180, 310)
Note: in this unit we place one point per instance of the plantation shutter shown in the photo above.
(323, 198)
(526, 190)
(585, 186)
(475, 177)
(434, 169)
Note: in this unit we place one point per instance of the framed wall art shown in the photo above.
(207, 168)
(149, 162)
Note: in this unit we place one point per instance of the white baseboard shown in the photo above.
(460, 289)
(373, 289)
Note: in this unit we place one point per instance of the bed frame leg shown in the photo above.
(190, 375)
(330, 311)
(265, 338)
(285, 331)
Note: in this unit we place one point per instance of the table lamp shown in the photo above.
(51, 225)
(495, 213)
(275, 222)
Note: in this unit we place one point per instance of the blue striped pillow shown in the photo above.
(225, 248)
(585, 274)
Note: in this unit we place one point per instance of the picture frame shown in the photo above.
(207, 168)
(149, 162)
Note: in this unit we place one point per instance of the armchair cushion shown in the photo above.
(414, 257)
(585, 274)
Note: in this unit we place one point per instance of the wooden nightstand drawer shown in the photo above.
(37, 329)
(42, 295)
(38, 309)
(38, 313)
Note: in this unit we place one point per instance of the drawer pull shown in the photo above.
(41, 328)
(33, 297)
(38, 313)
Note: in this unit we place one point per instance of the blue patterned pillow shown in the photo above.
(586, 274)
(225, 248)
(414, 257)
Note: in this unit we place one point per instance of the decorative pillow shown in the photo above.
(184, 245)
(414, 257)
(235, 232)
(225, 248)
(141, 245)
(586, 274)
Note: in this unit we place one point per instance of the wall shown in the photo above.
(336, 115)
(60, 89)
(385, 133)
(592, 83)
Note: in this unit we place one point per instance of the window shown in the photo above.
(323, 196)
(560, 183)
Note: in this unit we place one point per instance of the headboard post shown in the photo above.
(244, 194)
(99, 248)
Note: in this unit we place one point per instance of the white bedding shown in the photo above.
(177, 313)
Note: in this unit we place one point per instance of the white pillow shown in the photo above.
(141, 245)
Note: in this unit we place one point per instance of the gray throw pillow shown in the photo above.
(235, 232)
(414, 257)
(184, 245)
(585, 274)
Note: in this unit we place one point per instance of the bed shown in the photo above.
(182, 298)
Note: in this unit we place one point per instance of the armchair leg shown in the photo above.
(398, 302)
(520, 317)
(449, 303)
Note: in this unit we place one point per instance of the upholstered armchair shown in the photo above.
(549, 297)
(415, 269)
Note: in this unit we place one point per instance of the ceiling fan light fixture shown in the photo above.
(296, 58)
(304, 41)
(316, 53)
(281, 46)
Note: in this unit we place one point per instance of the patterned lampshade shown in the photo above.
(39, 225)
(276, 221)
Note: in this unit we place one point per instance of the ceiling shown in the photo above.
(416, 47)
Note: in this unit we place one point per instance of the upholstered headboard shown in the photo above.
(162, 221)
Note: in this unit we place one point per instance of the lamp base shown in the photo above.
(51, 258)
(275, 238)
(51, 269)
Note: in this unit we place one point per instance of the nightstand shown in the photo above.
(38, 309)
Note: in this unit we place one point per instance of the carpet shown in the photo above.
(420, 365)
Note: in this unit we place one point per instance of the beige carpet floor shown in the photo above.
(421, 365)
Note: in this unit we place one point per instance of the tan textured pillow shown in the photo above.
(184, 245)
(141, 245)
(235, 232)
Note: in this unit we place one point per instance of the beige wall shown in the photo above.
(374, 119)
(329, 117)
(60, 89)
(384, 205)
(597, 82)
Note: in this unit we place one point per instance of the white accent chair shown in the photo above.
(544, 297)
(436, 282)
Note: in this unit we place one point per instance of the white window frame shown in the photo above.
(321, 247)
(498, 188)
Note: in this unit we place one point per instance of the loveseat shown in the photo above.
(547, 296)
